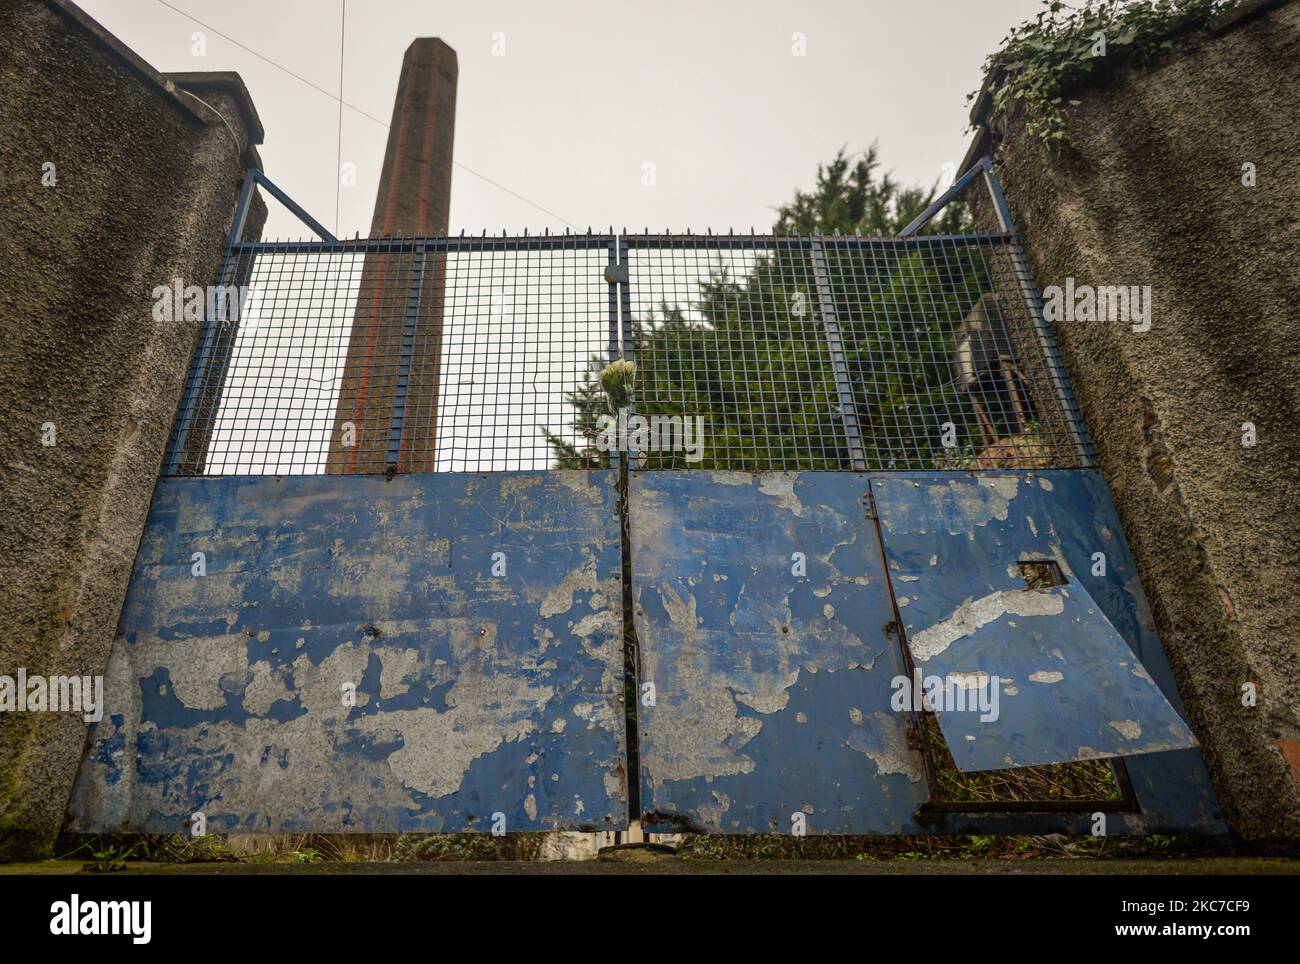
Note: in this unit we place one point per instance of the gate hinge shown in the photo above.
(616, 274)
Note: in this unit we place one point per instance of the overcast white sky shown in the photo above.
(588, 92)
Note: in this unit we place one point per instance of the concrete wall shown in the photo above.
(1152, 194)
(147, 180)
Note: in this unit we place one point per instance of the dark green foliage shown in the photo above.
(849, 199)
(1042, 60)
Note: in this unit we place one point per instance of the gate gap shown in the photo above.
(631, 651)
(1084, 786)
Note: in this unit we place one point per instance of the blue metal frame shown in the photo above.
(199, 366)
(253, 178)
(983, 168)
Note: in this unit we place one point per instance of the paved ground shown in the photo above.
(672, 865)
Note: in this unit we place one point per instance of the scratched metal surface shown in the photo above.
(1071, 686)
(476, 693)
(771, 689)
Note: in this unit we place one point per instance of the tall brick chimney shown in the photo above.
(413, 200)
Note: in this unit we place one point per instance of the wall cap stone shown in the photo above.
(226, 82)
(175, 86)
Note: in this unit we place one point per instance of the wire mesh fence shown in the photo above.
(396, 355)
(845, 353)
(747, 352)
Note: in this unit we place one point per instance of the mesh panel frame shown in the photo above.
(751, 353)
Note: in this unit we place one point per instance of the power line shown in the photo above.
(338, 163)
(342, 103)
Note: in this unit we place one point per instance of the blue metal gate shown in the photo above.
(371, 655)
(340, 621)
(776, 633)
(731, 534)
(760, 607)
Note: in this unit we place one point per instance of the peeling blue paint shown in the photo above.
(481, 693)
(1172, 789)
(476, 693)
(1067, 685)
(771, 680)
(715, 547)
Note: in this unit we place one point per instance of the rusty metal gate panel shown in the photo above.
(765, 670)
(478, 618)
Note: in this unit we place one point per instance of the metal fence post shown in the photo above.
(625, 300)
(1046, 339)
(401, 385)
(839, 365)
(200, 377)
(612, 350)
(619, 276)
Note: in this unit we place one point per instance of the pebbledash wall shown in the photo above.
(1152, 193)
(145, 178)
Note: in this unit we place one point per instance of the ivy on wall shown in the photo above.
(1042, 60)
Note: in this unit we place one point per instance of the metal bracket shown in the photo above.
(254, 177)
(983, 166)
(617, 274)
